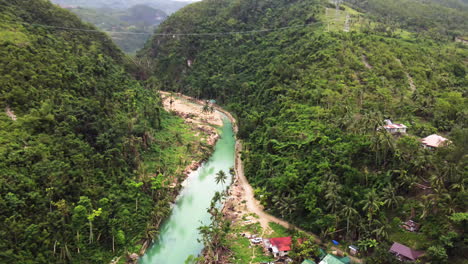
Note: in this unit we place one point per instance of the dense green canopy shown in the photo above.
(310, 103)
(74, 130)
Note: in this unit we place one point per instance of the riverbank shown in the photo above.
(179, 236)
(175, 158)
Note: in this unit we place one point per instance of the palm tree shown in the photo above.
(449, 203)
(221, 177)
(349, 212)
(332, 195)
(206, 108)
(381, 231)
(371, 204)
(427, 204)
(390, 199)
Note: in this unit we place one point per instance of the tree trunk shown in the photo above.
(78, 241)
(90, 232)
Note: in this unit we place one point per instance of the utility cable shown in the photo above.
(164, 34)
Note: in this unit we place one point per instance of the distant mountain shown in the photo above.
(119, 22)
(168, 6)
(144, 14)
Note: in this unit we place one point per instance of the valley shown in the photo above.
(246, 131)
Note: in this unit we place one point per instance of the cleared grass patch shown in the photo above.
(241, 248)
(411, 239)
(279, 230)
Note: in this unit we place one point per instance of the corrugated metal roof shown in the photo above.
(330, 259)
(405, 251)
(395, 126)
(434, 141)
(282, 243)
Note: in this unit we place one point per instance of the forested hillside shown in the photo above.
(437, 18)
(311, 98)
(81, 142)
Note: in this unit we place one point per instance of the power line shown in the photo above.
(165, 34)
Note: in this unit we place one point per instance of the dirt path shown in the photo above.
(253, 206)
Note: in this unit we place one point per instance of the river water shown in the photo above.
(179, 234)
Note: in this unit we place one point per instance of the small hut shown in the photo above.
(404, 253)
(434, 141)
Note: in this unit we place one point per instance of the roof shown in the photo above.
(405, 251)
(308, 261)
(331, 259)
(354, 247)
(434, 141)
(346, 260)
(282, 243)
(395, 126)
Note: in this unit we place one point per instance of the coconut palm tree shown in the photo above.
(349, 212)
(332, 195)
(371, 204)
(390, 199)
(382, 231)
(221, 177)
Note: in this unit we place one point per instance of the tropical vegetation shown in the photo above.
(311, 100)
(89, 160)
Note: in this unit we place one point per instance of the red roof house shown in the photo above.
(280, 246)
(403, 252)
(394, 128)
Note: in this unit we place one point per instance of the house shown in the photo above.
(279, 246)
(434, 141)
(404, 253)
(411, 226)
(353, 250)
(308, 261)
(332, 259)
(394, 128)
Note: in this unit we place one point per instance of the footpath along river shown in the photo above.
(179, 234)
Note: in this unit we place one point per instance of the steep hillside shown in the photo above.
(310, 98)
(80, 142)
(436, 18)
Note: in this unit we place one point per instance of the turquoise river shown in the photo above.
(179, 234)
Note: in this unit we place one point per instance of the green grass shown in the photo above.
(410, 239)
(239, 245)
(169, 156)
(279, 230)
(335, 20)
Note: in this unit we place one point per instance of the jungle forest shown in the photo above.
(87, 150)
